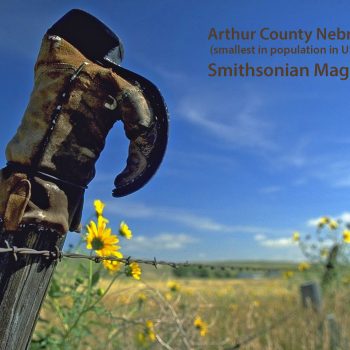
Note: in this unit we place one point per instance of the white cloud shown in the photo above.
(259, 237)
(277, 242)
(313, 222)
(169, 75)
(296, 156)
(164, 241)
(238, 125)
(334, 171)
(344, 217)
(274, 242)
(281, 248)
(331, 168)
(139, 210)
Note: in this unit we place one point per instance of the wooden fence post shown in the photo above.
(311, 295)
(334, 333)
(23, 286)
(78, 125)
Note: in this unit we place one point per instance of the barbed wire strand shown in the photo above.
(58, 254)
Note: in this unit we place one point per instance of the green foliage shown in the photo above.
(76, 298)
(328, 249)
(80, 311)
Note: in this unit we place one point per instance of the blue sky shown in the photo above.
(249, 160)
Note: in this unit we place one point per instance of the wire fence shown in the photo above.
(58, 254)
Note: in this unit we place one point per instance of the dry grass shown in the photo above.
(233, 309)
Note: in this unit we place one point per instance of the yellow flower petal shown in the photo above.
(333, 225)
(134, 270)
(296, 236)
(304, 266)
(100, 238)
(201, 326)
(288, 274)
(323, 221)
(346, 236)
(173, 286)
(99, 206)
(124, 230)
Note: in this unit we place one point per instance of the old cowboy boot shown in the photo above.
(80, 91)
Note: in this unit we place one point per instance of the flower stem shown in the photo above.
(83, 309)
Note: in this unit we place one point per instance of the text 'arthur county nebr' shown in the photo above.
(269, 34)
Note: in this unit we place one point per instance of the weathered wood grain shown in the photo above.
(23, 285)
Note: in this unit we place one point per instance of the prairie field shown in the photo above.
(165, 312)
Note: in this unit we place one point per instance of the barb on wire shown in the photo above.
(58, 255)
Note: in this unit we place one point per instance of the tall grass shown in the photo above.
(156, 314)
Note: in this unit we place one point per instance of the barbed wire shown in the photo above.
(58, 254)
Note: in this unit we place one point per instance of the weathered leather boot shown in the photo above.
(80, 91)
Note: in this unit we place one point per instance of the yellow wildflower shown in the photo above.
(150, 330)
(324, 252)
(99, 206)
(168, 296)
(256, 303)
(346, 236)
(288, 274)
(113, 265)
(141, 297)
(148, 333)
(296, 236)
(303, 266)
(133, 270)
(323, 221)
(124, 230)
(333, 225)
(173, 286)
(100, 238)
(104, 219)
(141, 338)
(201, 326)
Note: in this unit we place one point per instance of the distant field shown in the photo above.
(149, 272)
(230, 310)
